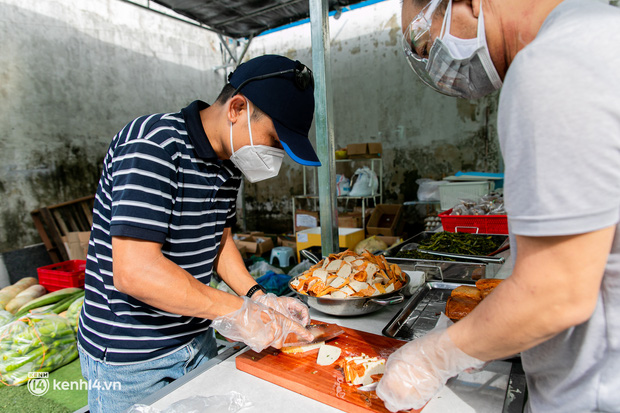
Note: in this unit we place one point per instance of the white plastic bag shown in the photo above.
(428, 190)
(343, 185)
(366, 183)
(300, 268)
(231, 402)
(260, 268)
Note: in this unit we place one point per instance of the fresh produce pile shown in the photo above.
(452, 242)
(18, 294)
(55, 302)
(34, 335)
(35, 343)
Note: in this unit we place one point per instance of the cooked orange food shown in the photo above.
(350, 275)
(465, 298)
(361, 369)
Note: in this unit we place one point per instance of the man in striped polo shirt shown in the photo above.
(162, 222)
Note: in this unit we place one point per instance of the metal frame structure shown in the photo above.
(319, 21)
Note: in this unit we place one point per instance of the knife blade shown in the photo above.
(369, 387)
(321, 332)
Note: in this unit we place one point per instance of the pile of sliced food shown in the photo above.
(37, 329)
(348, 275)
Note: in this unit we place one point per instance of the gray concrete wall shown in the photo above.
(378, 98)
(72, 73)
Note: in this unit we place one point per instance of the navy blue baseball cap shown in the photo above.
(284, 90)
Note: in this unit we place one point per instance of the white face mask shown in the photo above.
(463, 67)
(256, 162)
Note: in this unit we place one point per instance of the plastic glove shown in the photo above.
(289, 306)
(259, 326)
(419, 369)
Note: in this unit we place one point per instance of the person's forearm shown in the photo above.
(554, 286)
(145, 274)
(505, 323)
(231, 268)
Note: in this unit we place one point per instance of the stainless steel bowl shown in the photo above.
(351, 306)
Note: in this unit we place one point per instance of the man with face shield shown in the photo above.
(559, 131)
(162, 223)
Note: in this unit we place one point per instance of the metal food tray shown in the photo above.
(501, 382)
(421, 312)
(450, 271)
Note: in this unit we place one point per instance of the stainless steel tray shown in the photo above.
(448, 271)
(421, 312)
(502, 383)
(451, 271)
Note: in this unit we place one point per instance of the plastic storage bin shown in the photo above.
(450, 194)
(62, 275)
(476, 224)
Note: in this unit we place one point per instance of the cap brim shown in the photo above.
(296, 145)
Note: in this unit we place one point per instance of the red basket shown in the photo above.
(62, 275)
(475, 224)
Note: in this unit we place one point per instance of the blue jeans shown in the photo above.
(115, 388)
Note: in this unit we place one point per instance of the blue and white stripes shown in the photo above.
(161, 182)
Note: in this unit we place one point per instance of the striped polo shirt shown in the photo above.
(161, 182)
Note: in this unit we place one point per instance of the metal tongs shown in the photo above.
(479, 258)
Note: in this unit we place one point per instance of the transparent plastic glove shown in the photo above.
(259, 326)
(419, 369)
(289, 306)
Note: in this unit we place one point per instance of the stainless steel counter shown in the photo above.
(480, 392)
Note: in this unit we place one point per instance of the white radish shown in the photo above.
(328, 355)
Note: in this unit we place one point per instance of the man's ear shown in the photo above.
(475, 6)
(236, 105)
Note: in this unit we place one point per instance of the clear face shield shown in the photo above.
(450, 65)
(417, 41)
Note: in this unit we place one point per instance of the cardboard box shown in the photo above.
(385, 220)
(255, 244)
(287, 241)
(368, 213)
(306, 219)
(364, 150)
(243, 251)
(76, 244)
(350, 220)
(347, 238)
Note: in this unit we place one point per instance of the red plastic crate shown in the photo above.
(474, 224)
(62, 275)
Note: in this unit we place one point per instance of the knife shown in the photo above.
(369, 387)
(321, 332)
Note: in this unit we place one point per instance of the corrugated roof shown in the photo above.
(246, 18)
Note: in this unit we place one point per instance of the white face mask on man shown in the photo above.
(463, 67)
(256, 162)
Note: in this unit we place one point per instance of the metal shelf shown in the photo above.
(376, 165)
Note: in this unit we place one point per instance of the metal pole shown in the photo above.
(321, 65)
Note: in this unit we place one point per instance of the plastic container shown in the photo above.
(450, 194)
(474, 224)
(62, 275)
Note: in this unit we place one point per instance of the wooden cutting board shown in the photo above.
(301, 374)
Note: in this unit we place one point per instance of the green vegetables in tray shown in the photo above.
(453, 242)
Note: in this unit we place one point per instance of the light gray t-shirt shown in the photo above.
(559, 128)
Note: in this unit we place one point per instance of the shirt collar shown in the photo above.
(196, 131)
